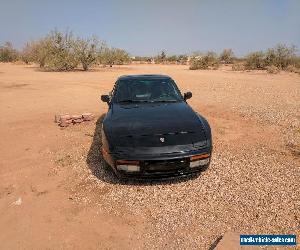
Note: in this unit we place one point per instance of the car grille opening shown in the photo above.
(165, 166)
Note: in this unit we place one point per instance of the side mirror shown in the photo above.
(187, 95)
(105, 98)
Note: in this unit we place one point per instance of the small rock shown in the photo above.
(18, 202)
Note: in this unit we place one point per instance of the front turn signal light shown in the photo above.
(127, 162)
(199, 157)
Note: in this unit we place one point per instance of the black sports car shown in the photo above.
(151, 131)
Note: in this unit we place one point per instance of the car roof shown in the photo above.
(152, 76)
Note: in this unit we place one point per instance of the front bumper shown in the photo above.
(160, 174)
(162, 167)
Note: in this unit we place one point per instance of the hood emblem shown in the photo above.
(162, 139)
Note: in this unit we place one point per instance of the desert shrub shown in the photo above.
(238, 67)
(291, 68)
(205, 61)
(56, 52)
(281, 56)
(60, 51)
(122, 56)
(297, 62)
(113, 56)
(87, 51)
(227, 56)
(41, 51)
(272, 69)
(198, 63)
(178, 59)
(158, 60)
(8, 53)
(270, 57)
(36, 51)
(255, 60)
(172, 59)
(144, 59)
(26, 54)
(182, 59)
(161, 58)
(163, 55)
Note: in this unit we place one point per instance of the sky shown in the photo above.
(145, 27)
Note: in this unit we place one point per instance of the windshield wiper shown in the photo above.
(132, 101)
(165, 100)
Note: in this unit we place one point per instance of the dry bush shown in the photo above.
(176, 59)
(255, 60)
(272, 69)
(297, 62)
(36, 51)
(60, 51)
(87, 51)
(238, 67)
(227, 56)
(8, 53)
(206, 61)
(54, 52)
(142, 59)
(280, 56)
(27, 53)
(161, 58)
(182, 59)
(172, 59)
(113, 56)
(61, 54)
(198, 63)
(292, 68)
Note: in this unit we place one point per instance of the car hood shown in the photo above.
(145, 124)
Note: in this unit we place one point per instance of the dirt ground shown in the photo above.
(56, 194)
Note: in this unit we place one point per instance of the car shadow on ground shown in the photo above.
(104, 173)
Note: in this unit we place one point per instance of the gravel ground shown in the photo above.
(249, 188)
(254, 190)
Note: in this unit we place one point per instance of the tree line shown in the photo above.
(62, 51)
(281, 57)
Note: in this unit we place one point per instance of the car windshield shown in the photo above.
(147, 90)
